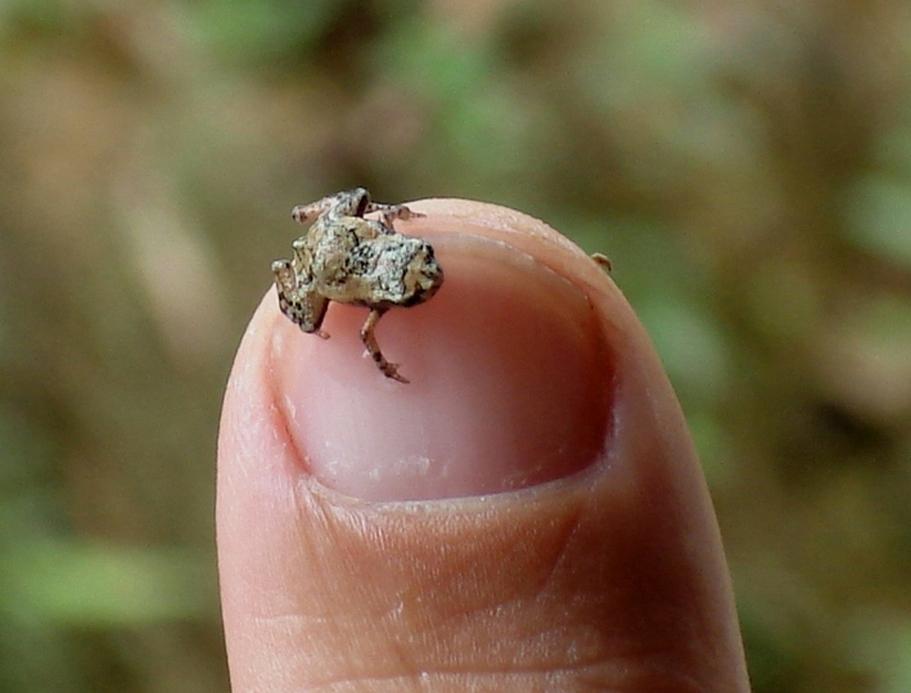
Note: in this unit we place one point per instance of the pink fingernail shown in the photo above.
(509, 384)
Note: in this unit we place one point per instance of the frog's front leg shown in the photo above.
(305, 308)
(368, 337)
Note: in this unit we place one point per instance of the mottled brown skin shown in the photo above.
(346, 258)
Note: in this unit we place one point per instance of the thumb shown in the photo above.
(527, 514)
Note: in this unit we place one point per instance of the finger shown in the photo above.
(359, 545)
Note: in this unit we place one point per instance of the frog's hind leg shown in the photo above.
(368, 337)
(306, 309)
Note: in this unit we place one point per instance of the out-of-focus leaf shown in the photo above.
(774, 651)
(78, 584)
(880, 218)
(866, 363)
(434, 60)
(33, 15)
(883, 647)
(654, 48)
(23, 447)
(256, 30)
(690, 343)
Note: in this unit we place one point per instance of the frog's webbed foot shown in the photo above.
(368, 337)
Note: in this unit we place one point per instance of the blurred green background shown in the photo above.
(746, 165)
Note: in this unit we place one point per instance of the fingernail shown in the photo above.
(509, 383)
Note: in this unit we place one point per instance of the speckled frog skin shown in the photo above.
(346, 258)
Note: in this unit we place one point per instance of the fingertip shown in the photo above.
(613, 570)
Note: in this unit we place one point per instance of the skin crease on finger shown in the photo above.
(612, 577)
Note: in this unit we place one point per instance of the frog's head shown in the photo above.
(424, 274)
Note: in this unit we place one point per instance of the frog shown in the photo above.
(346, 257)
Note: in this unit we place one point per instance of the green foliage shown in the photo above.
(256, 31)
(880, 218)
(746, 166)
(100, 586)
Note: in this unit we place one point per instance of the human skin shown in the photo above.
(527, 514)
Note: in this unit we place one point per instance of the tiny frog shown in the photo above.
(346, 258)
